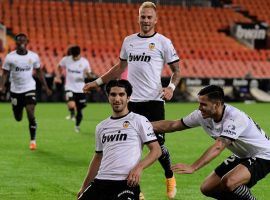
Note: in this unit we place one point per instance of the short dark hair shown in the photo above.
(119, 83)
(20, 35)
(213, 92)
(74, 50)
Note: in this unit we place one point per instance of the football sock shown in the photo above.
(165, 162)
(32, 128)
(72, 112)
(243, 193)
(79, 117)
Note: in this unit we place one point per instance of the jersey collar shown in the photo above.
(120, 116)
(146, 36)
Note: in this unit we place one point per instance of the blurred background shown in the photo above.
(222, 42)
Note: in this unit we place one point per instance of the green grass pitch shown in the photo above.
(57, 168)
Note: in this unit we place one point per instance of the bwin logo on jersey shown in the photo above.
(143, 58)
(114, 137)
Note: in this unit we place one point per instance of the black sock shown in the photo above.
(243, 193)
(32, 128)
(165, 162)
(79, 117)
(72, 112)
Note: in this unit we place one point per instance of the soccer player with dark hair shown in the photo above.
(19, 65)
(231, 129)
(77, 69)
(115, 170)
(145, 54)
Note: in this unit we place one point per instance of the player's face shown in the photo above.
(147, 20)
(21, 42)
(118, 100)
(208, 108)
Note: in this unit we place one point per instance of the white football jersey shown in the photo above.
(146, 57)
(121, 142)
(75, 73)
(21, 70)
(249, 140)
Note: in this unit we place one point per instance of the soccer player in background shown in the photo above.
(232, 129)
(145, 54)
(19, 65)
(115, 170)
(77, 68)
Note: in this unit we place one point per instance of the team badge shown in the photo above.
(126, 124)
(151, 46)
(30, 61)
(80, 65)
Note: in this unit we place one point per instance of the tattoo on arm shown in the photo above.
(176, 73)
(225, 141)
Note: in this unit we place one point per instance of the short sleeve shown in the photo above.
(87, 66)
(123, 52)
(99, 146)
(193, 119)
(6, 64)
(36, 63)
(233, 128)
(170, 53)
(146, 131)
(62, 62)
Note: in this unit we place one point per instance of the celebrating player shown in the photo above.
(145, 54)
(115, 170)
(232, 129)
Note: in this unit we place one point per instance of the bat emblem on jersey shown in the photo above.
(151, 46)
(126, 124)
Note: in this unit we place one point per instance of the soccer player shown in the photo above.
(77, 69)
(115, 170)
(19, 64)
(145, 54)
(232, 129)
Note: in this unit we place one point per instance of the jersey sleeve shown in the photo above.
(6, 64)
(234, 127)
(170, 54)
(146, 131)
(99, 146)
(87, 67)
(62, 62)
(193, 119)
(123, 52)
(36, 63)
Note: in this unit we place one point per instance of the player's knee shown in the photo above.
(227, 183)
(206, 190)
(18, 118)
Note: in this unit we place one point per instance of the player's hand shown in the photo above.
(167, 93)
(2, 89)
(48, 91)
(57, 80)
(134, 176)
(90, 86)
(181, 168)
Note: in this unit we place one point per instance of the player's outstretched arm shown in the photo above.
(113, 73)
(166, 126)
(134, 176)
(211, 153)
(92, 172)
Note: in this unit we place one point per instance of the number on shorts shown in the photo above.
(228, 160)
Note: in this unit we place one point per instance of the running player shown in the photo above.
(232, 129)
(77, 69)
(19, 64)
(116, 167)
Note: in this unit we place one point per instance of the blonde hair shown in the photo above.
(148, 4)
